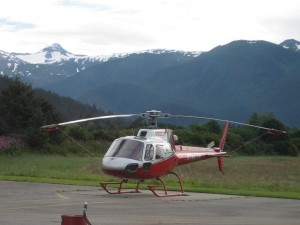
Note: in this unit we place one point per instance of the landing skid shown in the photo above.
(104, 185)
(152, 188)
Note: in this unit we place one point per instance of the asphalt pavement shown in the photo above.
(24, 203)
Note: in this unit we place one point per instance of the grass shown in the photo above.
(252, 176)
(50, 168)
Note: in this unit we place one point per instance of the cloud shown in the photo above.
(110, 26)
(84, 4)
(105, 34)
(284, 27)
(9, 25)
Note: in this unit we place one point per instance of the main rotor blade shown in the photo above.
(88, 119)
(234, 122)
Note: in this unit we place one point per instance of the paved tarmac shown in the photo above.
(23, 203)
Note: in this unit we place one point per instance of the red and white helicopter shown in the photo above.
(153, 152)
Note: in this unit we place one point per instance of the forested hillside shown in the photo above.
(67, 108)
(133, 69)
(229, 81)
(24, 110)
(237, 79)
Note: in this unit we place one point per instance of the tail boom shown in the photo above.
(187, 154)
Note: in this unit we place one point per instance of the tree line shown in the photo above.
(23, 110)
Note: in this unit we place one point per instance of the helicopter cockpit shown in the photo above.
(126, 148)
(139, 149)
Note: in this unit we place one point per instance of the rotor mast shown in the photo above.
(152, 116)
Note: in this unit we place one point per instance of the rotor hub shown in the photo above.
(152, 116)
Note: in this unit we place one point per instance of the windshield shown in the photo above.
(124, 148)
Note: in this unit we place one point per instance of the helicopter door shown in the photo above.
(149, 154)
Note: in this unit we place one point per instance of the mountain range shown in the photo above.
(54, 63)
(230, 81)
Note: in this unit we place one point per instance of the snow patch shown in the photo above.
(46, 57)
(15, 67)
(52, 54)
(105, 58)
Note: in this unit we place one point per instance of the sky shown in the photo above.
(103, 27)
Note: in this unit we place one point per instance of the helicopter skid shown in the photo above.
(152, 188)
(104, 185)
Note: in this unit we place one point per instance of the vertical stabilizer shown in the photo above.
(221, 146)
(223, 137)
(221, 164)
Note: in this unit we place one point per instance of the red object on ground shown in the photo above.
(73, 220)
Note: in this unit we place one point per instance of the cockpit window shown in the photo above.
(124, 148)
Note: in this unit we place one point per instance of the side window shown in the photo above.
(163, 151)
(160, 152)
(169, 150)
(149, 152)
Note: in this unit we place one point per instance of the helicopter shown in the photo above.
(153, 153)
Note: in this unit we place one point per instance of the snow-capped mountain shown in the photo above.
(173, 80)
(291, 44)
(54, 63)
(47, 65)
(49, 55)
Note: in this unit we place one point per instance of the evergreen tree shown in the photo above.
(22, 112)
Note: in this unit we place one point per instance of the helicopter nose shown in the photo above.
(119, 167)
(128, 166)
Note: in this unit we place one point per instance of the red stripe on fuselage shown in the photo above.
(158, 169)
